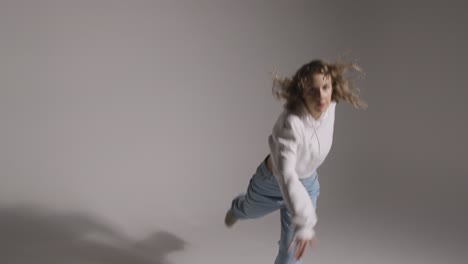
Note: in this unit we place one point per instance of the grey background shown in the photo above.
(128, 126)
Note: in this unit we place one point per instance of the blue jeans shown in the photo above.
(263, 197)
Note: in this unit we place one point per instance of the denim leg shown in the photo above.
(285, 257)
(263, 196)
(287, 231)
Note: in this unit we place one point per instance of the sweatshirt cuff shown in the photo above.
(304, 233)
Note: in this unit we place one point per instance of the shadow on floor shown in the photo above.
(41, 236)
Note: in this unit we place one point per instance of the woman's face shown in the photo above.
(317, 93)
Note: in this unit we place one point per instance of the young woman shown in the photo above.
(301, 138)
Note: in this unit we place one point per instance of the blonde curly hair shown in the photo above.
(291, 89)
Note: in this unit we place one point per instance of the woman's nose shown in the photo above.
(320, 95)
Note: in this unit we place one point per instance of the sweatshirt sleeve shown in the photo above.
(287, 139)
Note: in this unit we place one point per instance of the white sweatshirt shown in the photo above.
(298, 146)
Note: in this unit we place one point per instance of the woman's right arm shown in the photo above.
(287, 139)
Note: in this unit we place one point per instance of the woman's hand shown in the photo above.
(301, 246)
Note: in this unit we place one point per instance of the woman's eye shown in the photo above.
(312, 92)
